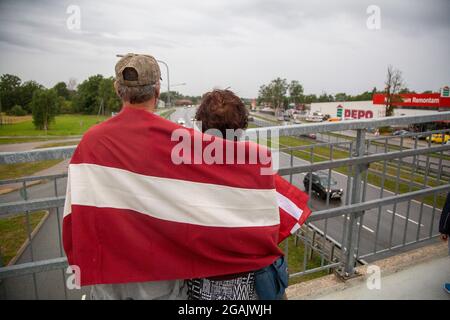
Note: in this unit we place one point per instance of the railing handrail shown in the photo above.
(296, 129)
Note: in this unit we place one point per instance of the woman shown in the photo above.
(222, 110)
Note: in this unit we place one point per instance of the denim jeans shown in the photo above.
(272, 281)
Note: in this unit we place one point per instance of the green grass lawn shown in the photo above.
(296, 260)
(167, 113)
(64, 125)
(17, 170)
(13, 233)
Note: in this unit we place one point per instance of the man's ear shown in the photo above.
(157, 91)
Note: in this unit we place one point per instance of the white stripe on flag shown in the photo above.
(171, 199)
(290, 207)
(295, 228)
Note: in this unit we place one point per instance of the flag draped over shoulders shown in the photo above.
(133, 215)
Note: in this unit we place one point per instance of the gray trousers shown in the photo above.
(155, 290)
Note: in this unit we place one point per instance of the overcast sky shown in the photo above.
(241, 44)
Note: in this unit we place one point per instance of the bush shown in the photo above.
(45, 107)
(65, 106)
(17, 111)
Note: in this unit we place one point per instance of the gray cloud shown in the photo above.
(237, 43)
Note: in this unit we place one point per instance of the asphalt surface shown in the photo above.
(390, 229)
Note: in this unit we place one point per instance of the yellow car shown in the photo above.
(439, 138)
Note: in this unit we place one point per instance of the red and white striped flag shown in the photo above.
(133, 215)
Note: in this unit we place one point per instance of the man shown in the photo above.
(138, 86)
(135, 219)
(444, 229)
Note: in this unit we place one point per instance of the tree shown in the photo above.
(341, 96)
(108, 96)
(86, 99)
(295, 92)
(61, 90)
(72, 84)
(274, 93)
(324, 97)
(9, 91)
(17, 111)
(310, 98)
(44, 106)
(394, 83)
(26, 92)
(278, 89)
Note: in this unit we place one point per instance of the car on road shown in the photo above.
(250, 118)
(400, 132)
(181, 122)
(310, 136)
(323, 186)
(439, 138)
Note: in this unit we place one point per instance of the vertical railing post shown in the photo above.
(351, 235)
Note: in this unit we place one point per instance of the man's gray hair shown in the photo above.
(135, 95)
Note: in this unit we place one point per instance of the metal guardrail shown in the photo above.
(384, 209)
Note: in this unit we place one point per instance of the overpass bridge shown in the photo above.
(391, 203)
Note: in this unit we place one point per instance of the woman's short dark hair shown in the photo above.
(221, 110)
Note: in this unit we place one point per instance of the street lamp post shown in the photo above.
(168, 82)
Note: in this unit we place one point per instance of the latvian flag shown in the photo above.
(133, 215)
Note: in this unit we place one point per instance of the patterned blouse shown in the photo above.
(239, 288)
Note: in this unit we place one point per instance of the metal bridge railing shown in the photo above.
(393, 190)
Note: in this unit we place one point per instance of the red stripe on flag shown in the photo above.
(299, 199)
(118, 246)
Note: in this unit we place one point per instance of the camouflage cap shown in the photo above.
(146, 66)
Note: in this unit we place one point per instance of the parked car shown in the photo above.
(323, 186)
(400, 132)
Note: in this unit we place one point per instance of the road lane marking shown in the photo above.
(364, 227)
(404, 218)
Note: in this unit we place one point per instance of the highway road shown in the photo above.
(388, 222)
(434, 162)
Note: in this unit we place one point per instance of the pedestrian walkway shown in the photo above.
(416, 274)
(422, 281)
